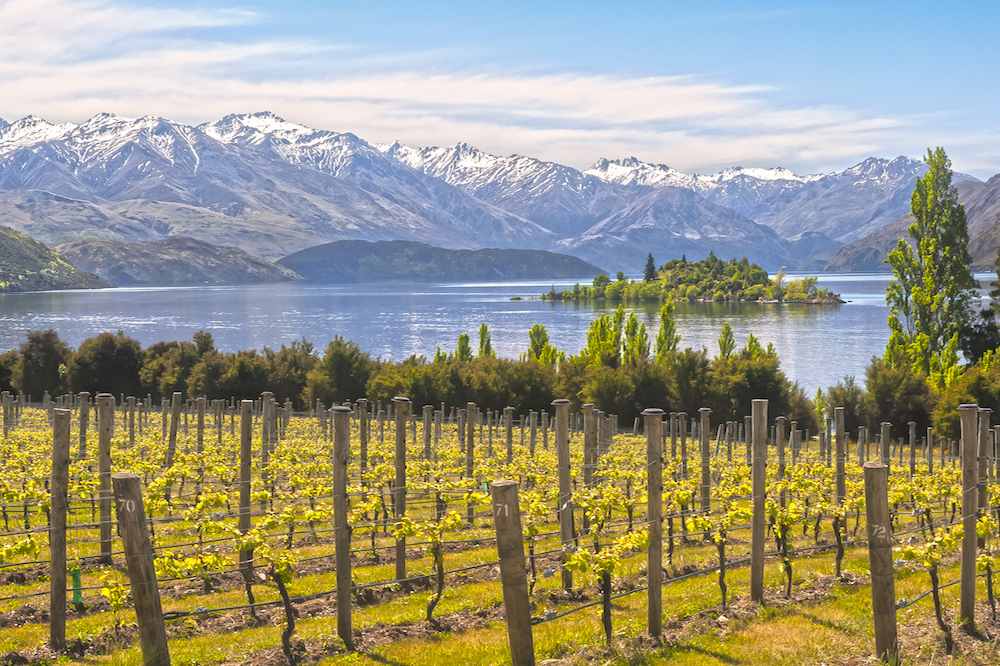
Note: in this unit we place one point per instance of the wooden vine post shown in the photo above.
(428, 414)
(983, 467)
(399, 488)
(513, 577)
(342, 534)
(706, 473)
(84, 417)
(564, 505)
(880, 560)
(363, 432)
(757, 533)
(886, 443)
(508, 419)
(141, 572)
(969, 415)
(246, 458)
(59, 502)
(654, 514)
(105, 418)
(131, 422)
(841, 461)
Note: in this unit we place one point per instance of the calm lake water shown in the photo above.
(818, 345)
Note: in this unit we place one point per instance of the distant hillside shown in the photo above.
(982, 211)
(361, 261)
(174, 261)
(27, 265)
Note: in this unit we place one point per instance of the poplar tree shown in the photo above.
(931, 294)
(667, 337)
(485, 343)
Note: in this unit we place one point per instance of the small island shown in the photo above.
(711, 279)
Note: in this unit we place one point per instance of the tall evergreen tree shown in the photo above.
(931, 294)
(649, 274)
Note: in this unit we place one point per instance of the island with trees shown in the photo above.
(711, 279)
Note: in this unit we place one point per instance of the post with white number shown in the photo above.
(513, 577)
(141, 572)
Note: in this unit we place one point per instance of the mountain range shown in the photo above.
(272, 188)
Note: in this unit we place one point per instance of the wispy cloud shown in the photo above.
(68, 59)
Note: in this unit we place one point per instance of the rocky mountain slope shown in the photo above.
(174, 261)
(982, 211)
(27, 265)
(361, 261)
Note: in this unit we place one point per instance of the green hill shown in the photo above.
(361, 261)
(27, 265)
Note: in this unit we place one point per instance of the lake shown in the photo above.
(818, 344)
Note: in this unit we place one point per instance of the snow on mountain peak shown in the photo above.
(261, 123)
(633, 171)
(30, 130)
(776, 173)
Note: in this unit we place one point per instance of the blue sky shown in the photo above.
(700, 86)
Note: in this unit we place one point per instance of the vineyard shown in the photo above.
(405, 534)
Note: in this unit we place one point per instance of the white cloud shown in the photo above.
(68, 59)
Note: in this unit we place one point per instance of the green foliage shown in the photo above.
(539, 348)
(978, 385)
(709, 279)
(727, 342)
(667, 337)
(106, 363)
(896, 395)
(849, 395)
(485, 345)
(342, 374)
(43, 364)
(463, 352)
(932, 289)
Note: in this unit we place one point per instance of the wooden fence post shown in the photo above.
(141, 572)
(564, 505)
(969, 415)
(757, 534)
(513, 577)
(654, 517)
(106, 413)
(399, 488)
(342, 535)
(59, 488)
(880, 560)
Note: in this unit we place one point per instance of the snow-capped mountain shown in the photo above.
(272, 187)
(255, 181)
(561, 198)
